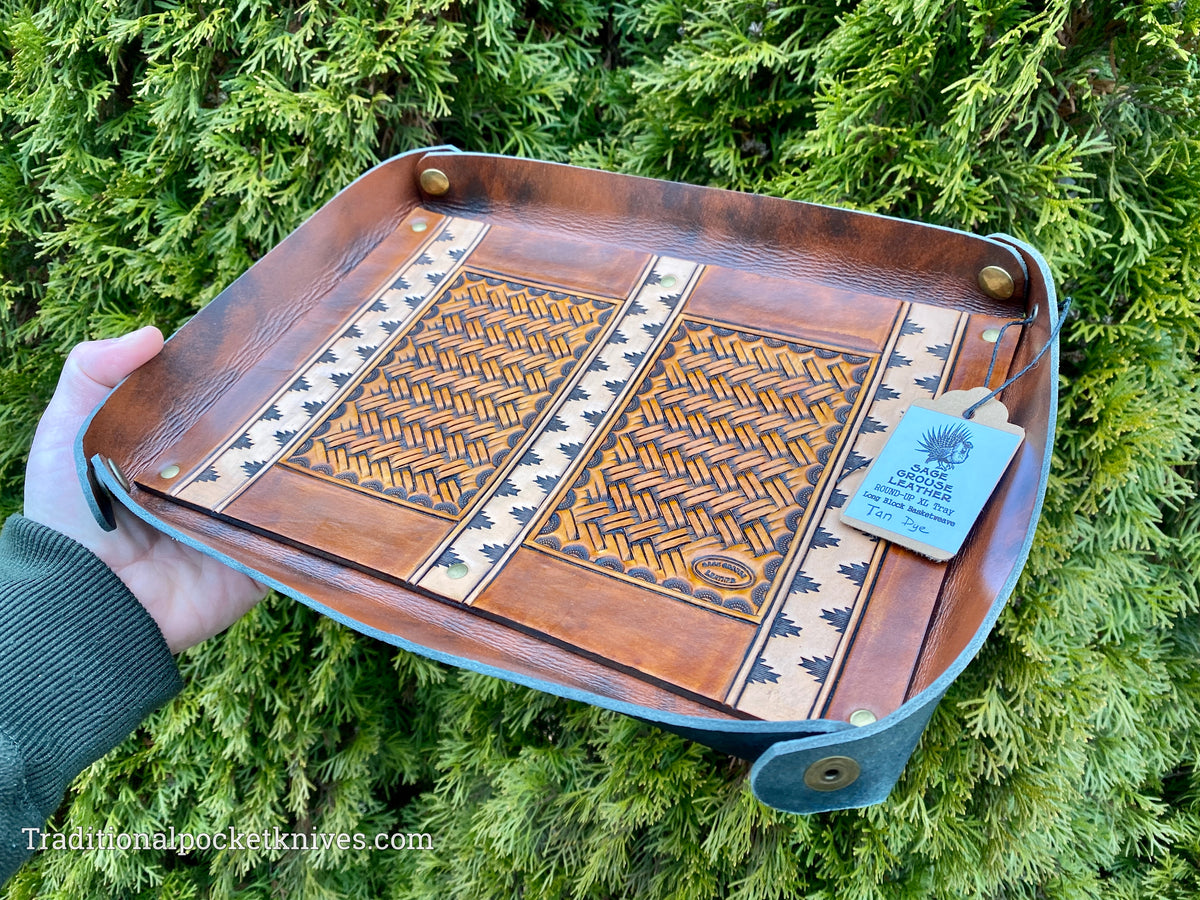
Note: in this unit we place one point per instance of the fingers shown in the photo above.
(53, 495)
(91, 371)
(94, 368)
(107, 362)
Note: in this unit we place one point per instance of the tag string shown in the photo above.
(969, 412)
(987, 379)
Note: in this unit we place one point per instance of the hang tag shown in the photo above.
(933, 477)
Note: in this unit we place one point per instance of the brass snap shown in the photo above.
(861, 717)
(996, 282)
(832, 773)
(434, 182)
(117, 474)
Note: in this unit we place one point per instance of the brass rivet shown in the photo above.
(169, 472)
(419, 225)
(996, 282)
(861, 717)
(831, 773)
(117, 474)
(458, 570)
(668, 281)
(991, 335)
(435, 182)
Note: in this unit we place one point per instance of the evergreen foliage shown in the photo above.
(150, 152)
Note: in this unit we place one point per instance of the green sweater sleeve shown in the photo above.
(81, 664)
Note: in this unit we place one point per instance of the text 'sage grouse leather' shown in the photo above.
(594, 433)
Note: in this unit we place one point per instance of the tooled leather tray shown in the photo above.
(592, 433)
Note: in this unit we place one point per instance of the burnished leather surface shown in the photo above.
(859, 253)
(672, 563)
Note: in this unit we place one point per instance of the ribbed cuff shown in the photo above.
(81, 661)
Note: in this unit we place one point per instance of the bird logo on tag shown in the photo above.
(946, 447)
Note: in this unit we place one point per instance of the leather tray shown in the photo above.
(592, 433)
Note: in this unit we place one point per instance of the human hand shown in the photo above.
(190, 595)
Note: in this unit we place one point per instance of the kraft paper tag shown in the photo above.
(936, 472)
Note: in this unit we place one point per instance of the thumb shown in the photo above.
(52, 495)
(96, 367)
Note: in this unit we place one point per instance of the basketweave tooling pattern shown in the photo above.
(699, 488)
(458, 391)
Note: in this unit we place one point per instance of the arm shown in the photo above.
(81, 663)
(88, 619)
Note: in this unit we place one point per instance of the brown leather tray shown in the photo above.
(593, 432)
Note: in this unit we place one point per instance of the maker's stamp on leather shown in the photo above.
(935, 474)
